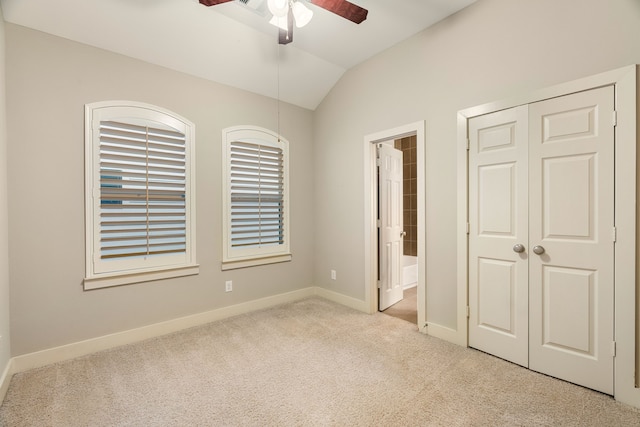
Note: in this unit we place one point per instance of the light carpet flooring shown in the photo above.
(307, 363)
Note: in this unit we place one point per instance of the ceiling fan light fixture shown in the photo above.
(301, 13)
(280, 22)
(278, 8)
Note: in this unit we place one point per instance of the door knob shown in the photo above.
(519, 248)
(538, 250)
(403, 233)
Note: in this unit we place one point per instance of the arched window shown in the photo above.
(140, 207)
(255, 197)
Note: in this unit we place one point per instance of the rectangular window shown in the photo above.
(139, 211)
(256, 199)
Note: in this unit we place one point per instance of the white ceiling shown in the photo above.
(231, 43)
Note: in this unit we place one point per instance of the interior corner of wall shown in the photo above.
(5, 379)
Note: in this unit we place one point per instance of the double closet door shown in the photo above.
(541, 236)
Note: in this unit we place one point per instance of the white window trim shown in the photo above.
(234, 258)
(100, 277)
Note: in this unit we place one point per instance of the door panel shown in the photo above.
(567, 305)
(498, 276)
(568, 184)
(496, 290)
(571, 147)
(496, 206)
(391, 226)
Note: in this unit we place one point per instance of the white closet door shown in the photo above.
(571, 149)
(498, 275)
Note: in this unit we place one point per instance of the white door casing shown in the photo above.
(571, 149)
(391, 225)
(567, 236)
(498, 275)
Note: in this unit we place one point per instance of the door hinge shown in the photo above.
(614, 234)
(468, 144)
(379, 284)
(378, 223)
(468, 227)
(378, 161)
(613, 349)
(615, 118)
(468, 312)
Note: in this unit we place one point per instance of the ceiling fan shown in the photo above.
(286, 12)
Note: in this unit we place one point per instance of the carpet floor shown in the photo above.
(306, 363)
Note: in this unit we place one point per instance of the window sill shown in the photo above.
(146, 276)
(252, 262)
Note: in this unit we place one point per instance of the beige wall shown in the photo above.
(4, 246)
(493, 50)
(49, 80)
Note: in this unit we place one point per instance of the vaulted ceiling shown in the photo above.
(233, 43)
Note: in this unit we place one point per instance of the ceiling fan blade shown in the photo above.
(286, 37)
(343, 8)
(213, 2)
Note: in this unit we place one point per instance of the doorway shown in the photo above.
(416, 131)
(401, 300)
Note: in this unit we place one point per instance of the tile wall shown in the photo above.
(410, 199)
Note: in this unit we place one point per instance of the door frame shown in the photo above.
(625, 81)
(370, 214)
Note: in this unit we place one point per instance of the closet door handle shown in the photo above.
(538, 250)
(403, 233)
(518, 248)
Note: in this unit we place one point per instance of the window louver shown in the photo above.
(257, 195)
(142, 191)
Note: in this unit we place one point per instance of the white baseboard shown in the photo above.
(82, 348)
(445, 333)
(350, 302)
(5, 379)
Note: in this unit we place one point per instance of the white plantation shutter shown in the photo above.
(142, 191)
(256, 199)
(140, 216)
(257, 195)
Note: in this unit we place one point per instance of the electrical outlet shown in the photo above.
(228, 286)
(333, 275)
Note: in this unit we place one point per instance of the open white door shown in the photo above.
(391, 226)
